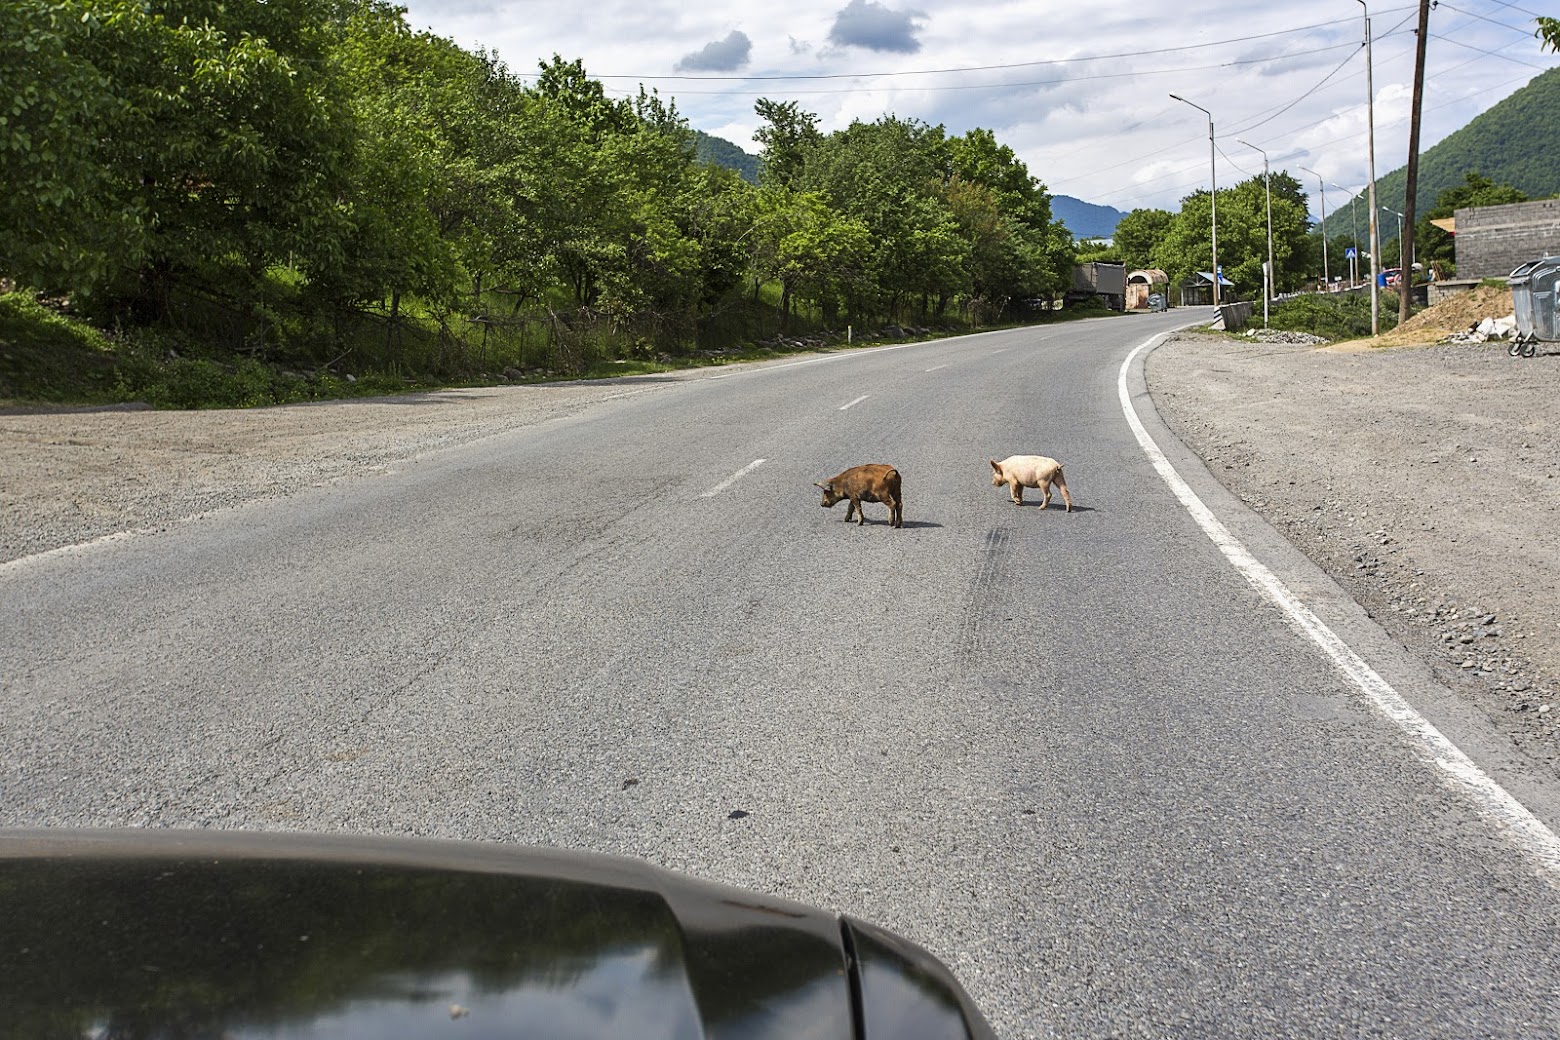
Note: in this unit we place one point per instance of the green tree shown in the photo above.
(215, 133)
(1138, 232)
(788, 136)
(890, 175)
(1184, 248)
(978, 157)
(1091, 250)
(62, 203)
(1011, 255)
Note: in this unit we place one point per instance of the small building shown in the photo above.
(1198, 292)
(1492, 241)
(1142, 284)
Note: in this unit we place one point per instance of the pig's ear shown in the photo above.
(821, 484)
(995, 465)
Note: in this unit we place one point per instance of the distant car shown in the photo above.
(1390, 277)
(198, 933)
(1156, 302)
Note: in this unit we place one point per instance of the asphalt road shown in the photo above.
(1079, 756)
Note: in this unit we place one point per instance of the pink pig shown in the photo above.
(1036, 471)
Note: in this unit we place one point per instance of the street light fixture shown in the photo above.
(1213, 194)
(1402, 264)
(1354, 234)
(1375, 234)
(1326, 271)
(1269, 284)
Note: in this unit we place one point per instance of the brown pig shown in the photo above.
(1036, 471)
(874, 482)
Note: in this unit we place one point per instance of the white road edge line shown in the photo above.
(857, 401)
(1525, 829)
(738, 475)
(936, 367)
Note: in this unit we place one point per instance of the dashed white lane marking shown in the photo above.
(936, 367)
(738, 475)
(857, 401)
(1526, 830)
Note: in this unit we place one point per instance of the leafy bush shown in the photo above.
(204, 383)
(1337, 316)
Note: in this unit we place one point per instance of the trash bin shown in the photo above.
(1535, 294)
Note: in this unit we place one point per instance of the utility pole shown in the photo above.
(1375, 235)
(1406, 238)
(1213, 191)
(1269, 284)
(1326, 273)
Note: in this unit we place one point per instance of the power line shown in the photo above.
(1514, 7)
(1493, 54)
(1482, 18)
(1302, 97)
(1247, 128)
(1337, 140)
(993, 68)
(1033, 83)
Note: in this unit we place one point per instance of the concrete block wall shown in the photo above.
(1492, 240)
(1232, 317)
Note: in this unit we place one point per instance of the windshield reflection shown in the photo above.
(160, 949)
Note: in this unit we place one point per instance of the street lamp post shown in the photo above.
(1326, 272)
(1354, 234)
(1213, 194)
(1403, 262)
(1375, 234)
(1269, 284)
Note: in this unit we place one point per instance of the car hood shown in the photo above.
(183, 933)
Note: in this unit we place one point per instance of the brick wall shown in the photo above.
(1492, 240)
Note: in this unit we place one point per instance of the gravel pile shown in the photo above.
(1284, 336)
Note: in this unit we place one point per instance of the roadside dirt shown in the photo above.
(1454, 314)
(1425, 480)
(68, 477)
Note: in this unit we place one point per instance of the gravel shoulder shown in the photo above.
(1424, 480)
(71, 476)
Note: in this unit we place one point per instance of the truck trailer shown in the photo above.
(1107, 281)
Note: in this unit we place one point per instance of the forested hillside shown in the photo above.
(309, 182)
(721, 152)
(1516, 142)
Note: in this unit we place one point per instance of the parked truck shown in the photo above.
(1096, 279)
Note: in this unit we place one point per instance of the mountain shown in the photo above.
(720, 152)
(1085, 219)
(1515, 142)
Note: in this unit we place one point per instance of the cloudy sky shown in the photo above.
(1081, 91)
